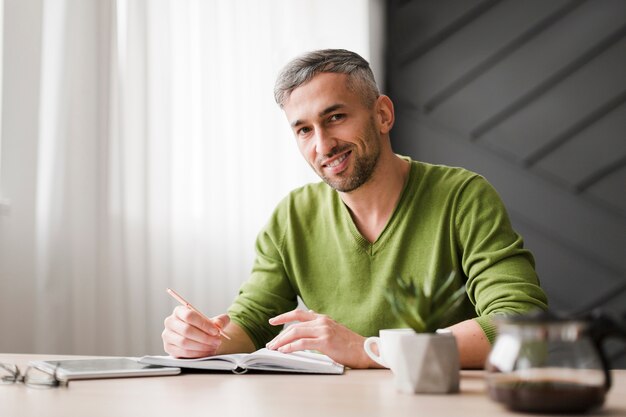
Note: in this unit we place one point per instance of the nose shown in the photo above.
(325, 142)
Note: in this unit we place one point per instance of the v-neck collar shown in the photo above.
(361, 242)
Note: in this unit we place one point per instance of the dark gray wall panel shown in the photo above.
(612, 190)
(601, 144)
(563, 271)
(532, 95)
(471, 48)
(563, 106)
(526, 69)
(419, 25)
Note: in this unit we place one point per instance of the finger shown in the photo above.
(180, 342)
(293, 333)
(301, 344)
(221, 321)
(293, 315)
(320, 320)
(187, 331)
(179, 352)
(292, 327)
(196, 320)
(184, 335)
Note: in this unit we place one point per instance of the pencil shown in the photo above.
(184, 302)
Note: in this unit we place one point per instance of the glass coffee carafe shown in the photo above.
(544, 363)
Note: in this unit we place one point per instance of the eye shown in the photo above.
(303, 131)
(337, 116)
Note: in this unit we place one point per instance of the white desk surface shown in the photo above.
(356, 393)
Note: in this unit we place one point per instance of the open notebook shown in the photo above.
(261, 360)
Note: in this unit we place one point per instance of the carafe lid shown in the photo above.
(544, 325)
(535, 317)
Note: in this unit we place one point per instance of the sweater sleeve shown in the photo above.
(501, 273)
(268, 291)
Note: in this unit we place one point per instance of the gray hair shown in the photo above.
(303, 68)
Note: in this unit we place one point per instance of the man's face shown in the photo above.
(335, 131)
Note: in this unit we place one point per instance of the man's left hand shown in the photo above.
(319, 332)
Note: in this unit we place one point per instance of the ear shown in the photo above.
(385, 115)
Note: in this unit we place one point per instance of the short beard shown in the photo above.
(363, 167)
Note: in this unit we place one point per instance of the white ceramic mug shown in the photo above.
(389, 345)
(424, 362)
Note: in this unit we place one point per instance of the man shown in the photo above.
(375, 216)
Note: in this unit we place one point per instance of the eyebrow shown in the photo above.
(321, 114)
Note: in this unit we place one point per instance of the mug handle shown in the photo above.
(367, 346)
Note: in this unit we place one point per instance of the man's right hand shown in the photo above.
(188, 335)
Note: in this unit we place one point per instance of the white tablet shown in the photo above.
(114, 367)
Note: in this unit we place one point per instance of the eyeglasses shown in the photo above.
(32, 377)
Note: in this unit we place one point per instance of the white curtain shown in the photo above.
(161, 154)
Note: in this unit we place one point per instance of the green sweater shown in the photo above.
(447, 219)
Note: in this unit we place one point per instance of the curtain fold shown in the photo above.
(161, 154)
(66, 223)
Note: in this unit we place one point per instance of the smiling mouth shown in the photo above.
(337, 161)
